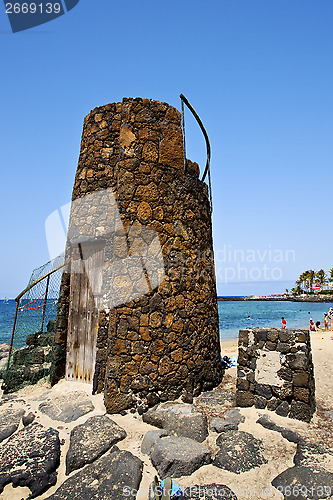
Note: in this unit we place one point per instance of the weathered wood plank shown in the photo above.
(86, 281)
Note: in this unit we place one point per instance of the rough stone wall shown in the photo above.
(276, 372)
(31, 362)
(165, 343)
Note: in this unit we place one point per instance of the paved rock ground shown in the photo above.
(114, 476)
(309, 478)
(30, 458)
(309, 454)
(180, 419)
(239, 452)
(90, 440)
(293, 450)
(68, 407)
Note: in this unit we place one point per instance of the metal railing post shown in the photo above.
(44, 303)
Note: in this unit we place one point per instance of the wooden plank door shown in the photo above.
(85, 289)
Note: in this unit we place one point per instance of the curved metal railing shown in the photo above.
(196, 116)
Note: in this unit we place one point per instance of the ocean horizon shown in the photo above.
(233, 316)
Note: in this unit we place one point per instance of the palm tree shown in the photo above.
(330, 277)
(301, 281)
(321, 278)
(310, 277)
(297, 290)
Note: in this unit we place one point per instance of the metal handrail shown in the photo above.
(38, 280)
(197, 117)
(17, 300)
(207, 168)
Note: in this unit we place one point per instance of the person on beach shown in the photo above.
(330, 316)
(318, 325)
(326, 321)
(284, 323)
(313, 327)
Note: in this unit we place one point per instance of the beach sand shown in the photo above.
(255, 483)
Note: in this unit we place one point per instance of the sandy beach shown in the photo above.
(255, 483)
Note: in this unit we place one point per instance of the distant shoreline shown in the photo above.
(288, 298)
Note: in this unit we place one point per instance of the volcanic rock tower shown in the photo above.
(138, 311)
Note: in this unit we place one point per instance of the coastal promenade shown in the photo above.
(291, 298)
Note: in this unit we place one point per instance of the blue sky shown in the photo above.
(258, 72)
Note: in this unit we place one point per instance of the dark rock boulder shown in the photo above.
(180, 419)
(230, 421)
(303, 482)
(30, 458)
(151, 438)
(28, 419)
(68, 407)
(239, 452)
(115, 476)
(91, 440)
(312, 455)
(4, 351)
(216, 399)
(301, 411)
(9, 421)
(178, 456)
(268, 423)
(308, 479)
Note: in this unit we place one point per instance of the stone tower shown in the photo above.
(143, 327)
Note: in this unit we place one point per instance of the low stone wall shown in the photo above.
(276, 372)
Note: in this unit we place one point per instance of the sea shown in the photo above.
(233, 316)
(29, 318)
